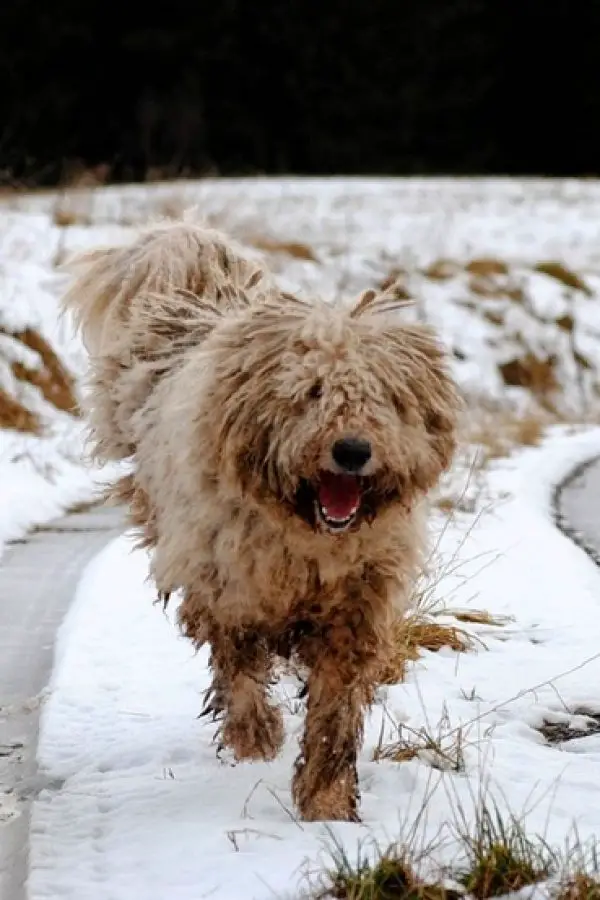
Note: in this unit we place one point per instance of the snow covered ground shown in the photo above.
(143, 808)
(474, 252)
(41, 474)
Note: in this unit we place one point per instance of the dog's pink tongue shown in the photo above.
(339, 495)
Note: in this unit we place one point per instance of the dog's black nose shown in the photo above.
(351, 453)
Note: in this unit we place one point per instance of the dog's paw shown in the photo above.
(258, 737)
(335, 802)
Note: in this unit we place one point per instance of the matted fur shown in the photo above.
(228, 395)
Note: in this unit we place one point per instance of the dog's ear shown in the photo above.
(419, 376)
(437, 393)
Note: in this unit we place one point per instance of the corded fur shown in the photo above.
(227, 394)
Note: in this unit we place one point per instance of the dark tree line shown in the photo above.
(303, 86)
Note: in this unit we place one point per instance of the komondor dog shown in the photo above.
(281, 452)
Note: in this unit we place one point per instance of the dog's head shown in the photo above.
(325, 414)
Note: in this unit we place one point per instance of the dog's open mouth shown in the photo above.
(339, 503)
(338, 500)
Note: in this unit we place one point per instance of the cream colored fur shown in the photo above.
(227, 395)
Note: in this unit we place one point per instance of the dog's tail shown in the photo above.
(167, 279)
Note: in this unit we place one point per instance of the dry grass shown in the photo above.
(501, 857)
(562, 273)
(416, 633)
(51, 378)
(530, 372)
(444, 751)
(579, 886)
(499, 433)
(487, 266)
(566, 323)
(419, 631)
(423, 635)
(498, 858)
(295, 249)
(486, 286)
(442, 270)
(65, 218)
(479, 617)
(390, 876)
(14, 416)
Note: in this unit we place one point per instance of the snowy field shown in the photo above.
(143, 808)
(509, 271)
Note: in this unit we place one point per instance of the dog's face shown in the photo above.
(329, 416)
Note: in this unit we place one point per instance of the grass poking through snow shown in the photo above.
(295, 249)
(562, 273)
(501, 857)
(579, 886)
(390, 876)
(416, 633)
(498, 858)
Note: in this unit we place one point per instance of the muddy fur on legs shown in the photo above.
(281, 454)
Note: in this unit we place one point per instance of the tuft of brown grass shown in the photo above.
(566, 323)
(389, 877)
(65, 218)
(441, 270)
(498, 434)
(15, 416)
(531, 372)
(415, 633)
(444, 751)
(501, 857)
(485, 286)
(433, 636)
(487, 266)
(579, 886)
(480, 617)
(295, 249)
(496, 317)
(52, 379)
(562, 273)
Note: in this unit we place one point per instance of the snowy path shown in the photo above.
(38, 577)
(577, 506)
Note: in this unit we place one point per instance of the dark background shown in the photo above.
(299, 86)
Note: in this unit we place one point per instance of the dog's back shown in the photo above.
(139, 306)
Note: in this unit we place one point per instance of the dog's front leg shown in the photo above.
(340, 686)
(241, 661)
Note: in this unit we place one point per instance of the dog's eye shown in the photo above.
(316, 390)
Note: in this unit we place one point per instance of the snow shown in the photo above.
(43, 475)
(360, 230)
(141, 806)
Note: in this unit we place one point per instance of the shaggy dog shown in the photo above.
(282, 449)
